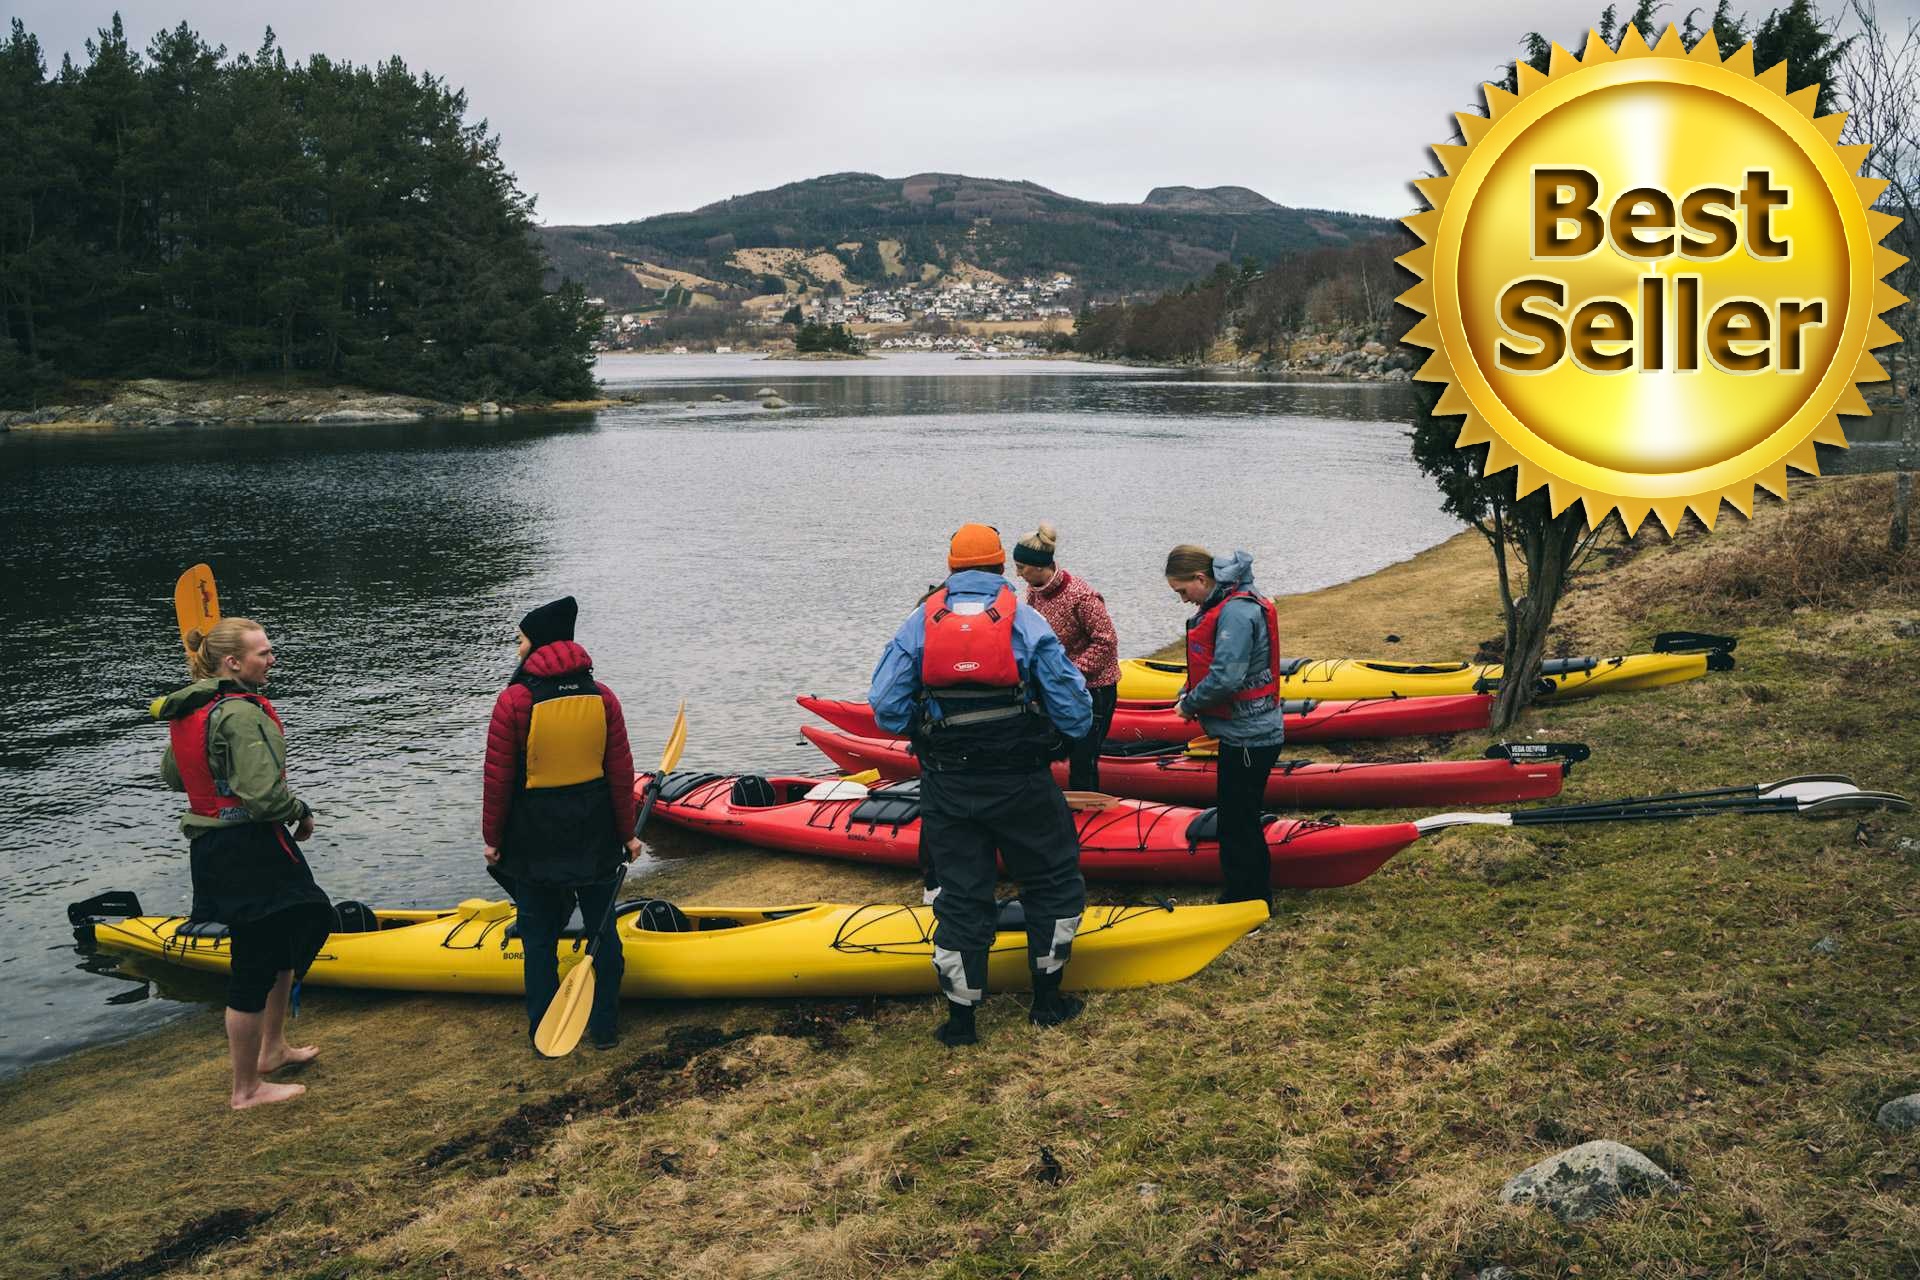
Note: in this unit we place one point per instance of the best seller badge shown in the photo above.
(1651, 280)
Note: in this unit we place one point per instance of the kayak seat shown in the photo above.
(211, 929)
(1010, 916)
(751, 791)
(678, 783)
(657, 915)
(891, 806)
(1205, 827)
(354, 917)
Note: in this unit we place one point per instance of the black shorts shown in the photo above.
(261, 950)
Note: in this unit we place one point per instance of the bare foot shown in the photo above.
(289, 1056)
(266, 1093)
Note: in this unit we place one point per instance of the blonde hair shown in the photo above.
(1045, 538)
(1187, 559)
(208, 650)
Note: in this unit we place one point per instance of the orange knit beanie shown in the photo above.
(976, 546)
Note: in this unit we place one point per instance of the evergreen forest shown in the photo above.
(181, 213)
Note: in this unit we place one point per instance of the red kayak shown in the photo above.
(1130, 840)
(1307, 720)
(1175, 777)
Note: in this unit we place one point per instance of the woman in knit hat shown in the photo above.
(1078, 615)
(558, 808)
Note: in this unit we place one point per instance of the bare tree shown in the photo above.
(1879, 81)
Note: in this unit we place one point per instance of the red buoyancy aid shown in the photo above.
(208, 796)
(1200, 636)
(969, 648)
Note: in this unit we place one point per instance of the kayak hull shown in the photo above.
(1307, 720)
(1354, 678)
(1130, 841)
(811, 949)
(1183, 779)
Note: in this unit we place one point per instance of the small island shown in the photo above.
(291, 270)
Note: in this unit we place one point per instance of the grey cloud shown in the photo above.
(611, 110)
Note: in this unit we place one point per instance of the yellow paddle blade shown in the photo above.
(1203, 748)
(196, 602)
(566, 1018)
(866, 777)
(676, 741)
(1089, 800)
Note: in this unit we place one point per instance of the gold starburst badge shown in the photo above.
(1651, 279)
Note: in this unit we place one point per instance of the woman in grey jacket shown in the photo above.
(1233, 689)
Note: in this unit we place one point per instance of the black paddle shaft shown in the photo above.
(620, 876)
(1679, 809)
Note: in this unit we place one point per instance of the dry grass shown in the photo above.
(1826, 550)
(1341, 1095)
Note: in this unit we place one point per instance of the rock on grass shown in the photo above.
(1585, 1181)
(1901, 1113)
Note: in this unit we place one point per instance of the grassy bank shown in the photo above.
(1341, 1095)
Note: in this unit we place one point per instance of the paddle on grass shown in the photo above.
(196, 603)
(566, 1018)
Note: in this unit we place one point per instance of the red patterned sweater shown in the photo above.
(1078, 616)
(507, 743)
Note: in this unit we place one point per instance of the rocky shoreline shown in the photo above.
(1333, 361)
(158, 402)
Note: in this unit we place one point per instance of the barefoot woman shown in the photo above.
(229, 753)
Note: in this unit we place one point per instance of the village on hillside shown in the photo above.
(926, 305)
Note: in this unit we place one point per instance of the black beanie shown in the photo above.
(550, 622)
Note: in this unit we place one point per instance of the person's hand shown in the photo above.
(493, 856)
(633, 848)
(304, 831)
(1181, 709)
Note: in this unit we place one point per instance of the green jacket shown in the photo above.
(245, 749)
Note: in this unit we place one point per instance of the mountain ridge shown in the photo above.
(927, 224)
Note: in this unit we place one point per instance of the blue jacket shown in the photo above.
(1049, 674)
(1239, 662)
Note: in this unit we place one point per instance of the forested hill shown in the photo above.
(182, 212)
(932, 223)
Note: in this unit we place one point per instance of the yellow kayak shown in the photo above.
(816, 949)
(1149, 680)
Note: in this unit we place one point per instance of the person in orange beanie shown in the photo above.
(985, 689)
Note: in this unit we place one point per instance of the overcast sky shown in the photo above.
(616, 109)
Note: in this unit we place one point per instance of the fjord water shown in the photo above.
(722, 552)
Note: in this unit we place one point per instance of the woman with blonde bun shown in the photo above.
(228, 752)
(1078, 615)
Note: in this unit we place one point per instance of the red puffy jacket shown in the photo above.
(507, 744)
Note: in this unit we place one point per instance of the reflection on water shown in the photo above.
(722, 552)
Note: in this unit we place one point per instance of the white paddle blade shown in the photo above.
(838, 789)
(1441, 821)
(1851, 800)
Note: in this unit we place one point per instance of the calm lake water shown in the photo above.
(723, 553)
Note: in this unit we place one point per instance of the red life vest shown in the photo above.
(969, 648)
(1200, 635)
(208, 796)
